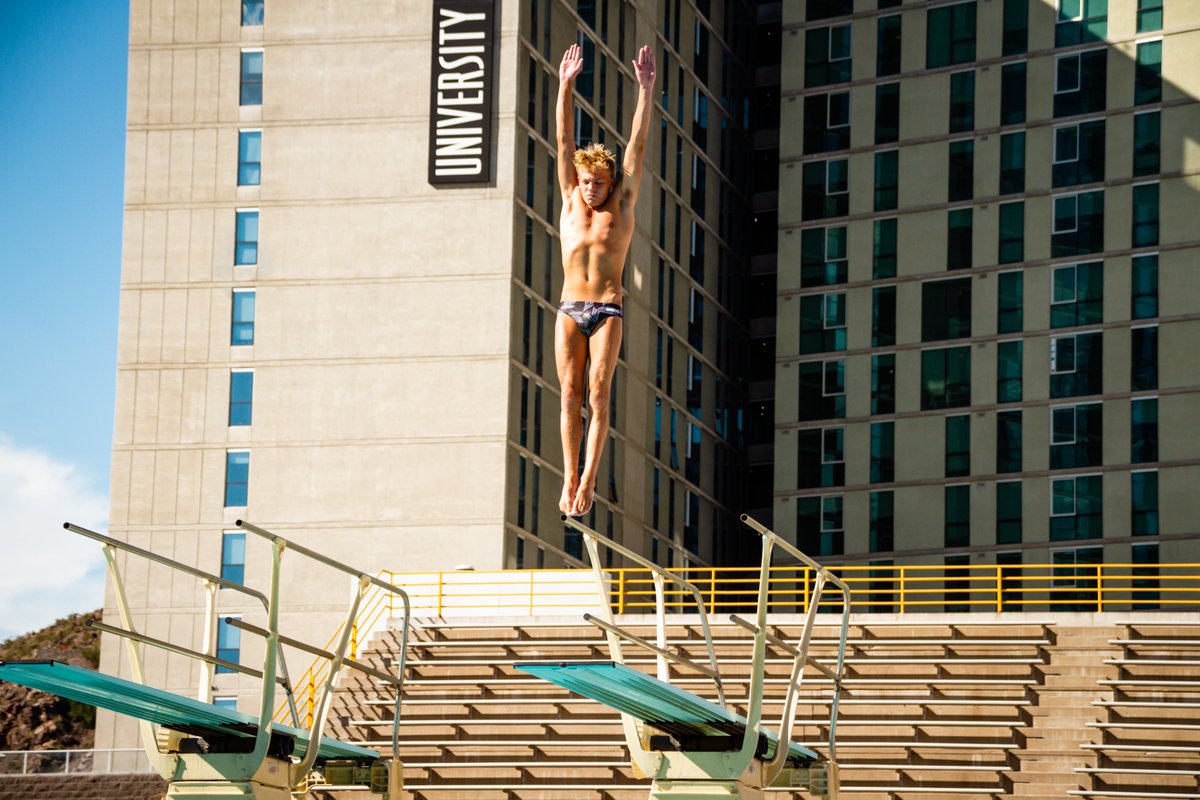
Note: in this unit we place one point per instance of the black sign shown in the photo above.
(460, 103)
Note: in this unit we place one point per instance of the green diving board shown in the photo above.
(657, 703)
(158, 706)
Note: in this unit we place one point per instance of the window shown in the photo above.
(823, 256)
(887, 113)
(887, 46)
(822, 323)
(1080, 83)
(1149, 15)
(945, 378)
(1145, 215)
(822, 390)
(1076, 364)
(1010, 303)
(1078, 154)
(883, 452)
(252, 78)
(242, 327)
(241, 397)
(883, 316)
(1015, 27)
(1144, 430)
(1011, 580)
(1075, 508)
(1008, 441)
(229, 644)
(957, 575)
(1075, 579)
(883, 522)
(1012, 94)
(958, 445)
(1012, 163)
(962, 101)
(826, 56)
(817, 9)
(1147, 143)
(1145, 587)
(1080, 22)
(225, 702)
(1012, 233)
(233, 556)
(252, 12)
(1143, 359)
(1008, 512)
(1078, 226)
(826, 189)
(883, 384)
(1009, 383)
(819, 527)
(961, 184)
(950, 35)
(945, 309)
(249, 158)
(887, 180)
(884, 254)
(1148, 86)
(237, 477)
(821, 457)
(959, 238)
(1076, 436)
(246, 245)
(1143, 492)
(958, 516)
(1077, 295)
(1144, 280)
(826, 122)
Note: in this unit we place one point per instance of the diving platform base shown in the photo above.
(230, 790)
(703, 790)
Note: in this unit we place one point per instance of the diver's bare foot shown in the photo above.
(584, 496)
(568, 495)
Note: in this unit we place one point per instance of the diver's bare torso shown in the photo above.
(595, 242)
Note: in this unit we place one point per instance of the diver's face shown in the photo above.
(595, 186)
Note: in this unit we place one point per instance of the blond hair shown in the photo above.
(594, 157)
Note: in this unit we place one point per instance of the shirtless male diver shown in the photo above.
(596, 228)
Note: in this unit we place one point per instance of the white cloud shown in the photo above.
(47, 571)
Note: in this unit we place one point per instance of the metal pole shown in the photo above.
(208, 642)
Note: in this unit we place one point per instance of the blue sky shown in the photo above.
(62, 125)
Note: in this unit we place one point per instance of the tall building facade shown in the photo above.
(988, 302)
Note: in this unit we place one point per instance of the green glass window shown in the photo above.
(962, 101)
(883, 522)
(945, 309)
(961, 171)
(887, 45)
(1147, 143)
(821, 457)
(883, 452)
(822, 390)
(1016, 27)
(1012, 232)
(1012, 163)
(1144, 430)
(1075, 578)
(958, 445)
(822, 323)
(826, 55)
(1144, 501)
(1144, 281)
(1080, 83)
(883, 316)
(1076, 364)
(1077, 295)
(1148, 86)
(826, 189)
(823, 256)
(1149, 15)
(1145, 586)
(884, 256)
(1008, 441)
(1145, 215)
(887, 113)
(819, 527)
(1010, 304)
(1078, 224)
(887, 180)
(959, 238)
(957, 576)
(1143, 358)
(950, 35)
(1076, 508)
(883, 384)
(945, 378)
(1078, 154)
(1008, 512)
(1012, 94)
(1009, 371)
(958, 516)
(1081, 21)
(1076, 436)
(826, 122)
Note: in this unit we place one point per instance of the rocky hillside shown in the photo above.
(31, 720)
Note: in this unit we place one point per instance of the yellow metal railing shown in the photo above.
(877, 589)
